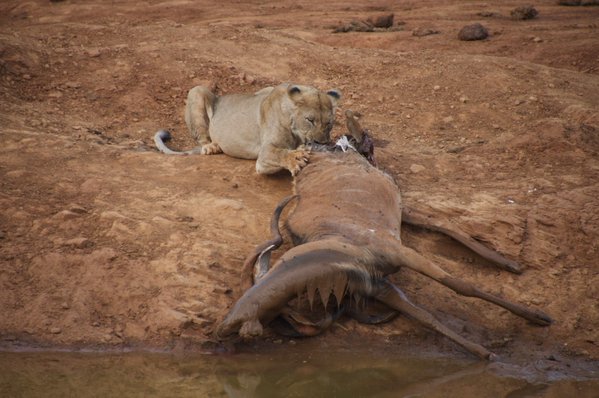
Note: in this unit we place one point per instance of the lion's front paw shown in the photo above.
(211, 149)
(297, 159)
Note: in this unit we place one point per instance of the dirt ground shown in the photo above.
(107, 243)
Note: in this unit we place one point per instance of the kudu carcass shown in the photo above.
(346, 231)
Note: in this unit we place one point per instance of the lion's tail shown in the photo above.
(159, 139)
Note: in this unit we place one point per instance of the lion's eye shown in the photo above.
(310, 120)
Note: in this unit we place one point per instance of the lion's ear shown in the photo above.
(294, 91)
(334, 95)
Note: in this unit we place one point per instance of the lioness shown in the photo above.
(271, 125)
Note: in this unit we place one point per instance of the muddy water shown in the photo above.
(341, 374)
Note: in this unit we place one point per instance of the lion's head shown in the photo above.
(312, 113)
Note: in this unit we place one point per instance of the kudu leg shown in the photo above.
(371, 313)
(411, 259)
(395, 298)
(304, 327)
(421, 219)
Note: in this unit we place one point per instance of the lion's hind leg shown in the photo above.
(198, 112)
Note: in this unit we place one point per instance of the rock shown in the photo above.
(537, 39)
(524, 12)
(381, 21)
(486, 14)
(79, 242)
(355, 26)
(94, 52)
(473, 32)
(437, 88)
(417, 168)
(72, 84)
(66, 215)
(456, 149)
(463, 99)
(55, 94)
(420, 32)
(448, 119)
(369, 25)
(578, 2)
(55, 330)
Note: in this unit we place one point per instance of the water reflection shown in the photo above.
(282, 374)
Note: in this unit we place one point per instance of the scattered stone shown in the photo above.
(473, 32)
(537, 39)
(72, 84)
(55, 94)
(417, 168)
(421, 32)
(448, 119)
(487, 14)
(66, 215)
(437, 88)
(524, 12)
(456, 149)
(354, 26)
(79, 243)
(381, 21)
(65, 306)
(578, 2)
(378, 23)
(463, 99)
(93, 52)
(55, 330)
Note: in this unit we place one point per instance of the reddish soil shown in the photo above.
(107, 243)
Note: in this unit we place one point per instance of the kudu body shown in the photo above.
(346, 230)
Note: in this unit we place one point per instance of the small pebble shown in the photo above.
(417, 168)
(93, 52)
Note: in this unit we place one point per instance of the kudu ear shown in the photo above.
(334, 95)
